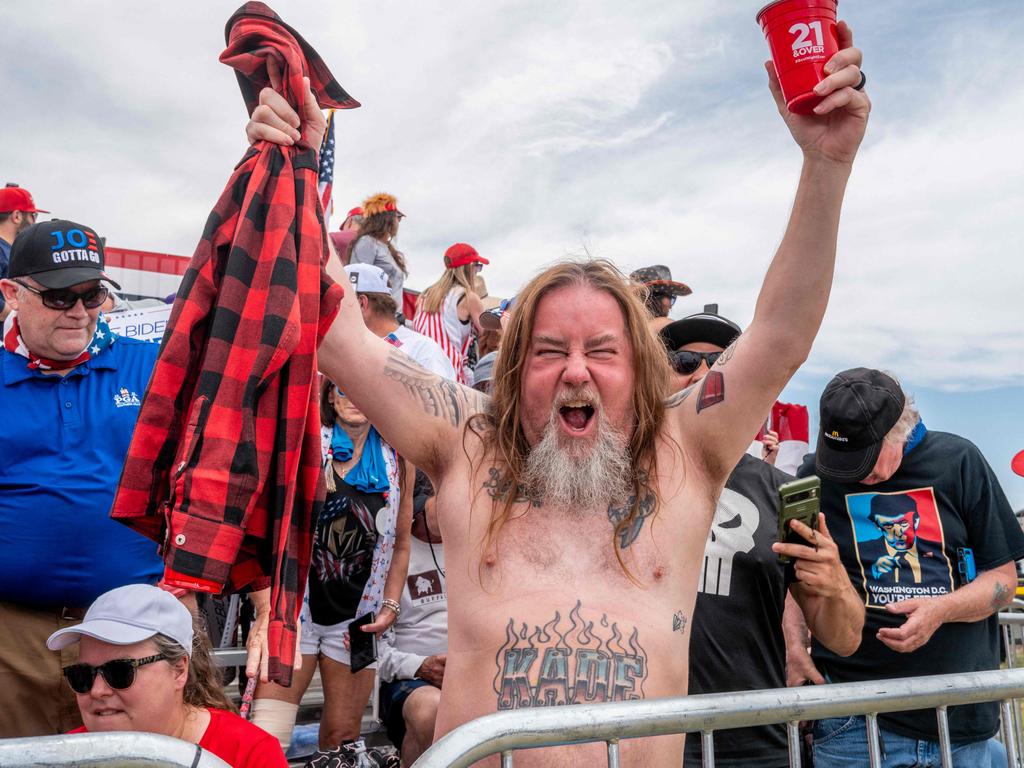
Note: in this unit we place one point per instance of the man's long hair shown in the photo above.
(504, 440)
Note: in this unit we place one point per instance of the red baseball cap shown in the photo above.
(15, 198)
(357, 211)
(461, 254)
(1017, 464)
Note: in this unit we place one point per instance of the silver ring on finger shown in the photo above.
(863, 81)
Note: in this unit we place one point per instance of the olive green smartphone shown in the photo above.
(798, 500)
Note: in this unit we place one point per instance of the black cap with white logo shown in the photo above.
(858, 408)
(58, 254)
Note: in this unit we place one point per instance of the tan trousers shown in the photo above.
(35, 700)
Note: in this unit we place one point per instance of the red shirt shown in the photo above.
(237, 742)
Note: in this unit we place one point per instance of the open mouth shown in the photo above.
(576, 416)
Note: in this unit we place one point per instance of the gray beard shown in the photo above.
(579, 477)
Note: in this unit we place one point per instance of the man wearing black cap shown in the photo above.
(737, 641)
(929, 541)
(70, 393)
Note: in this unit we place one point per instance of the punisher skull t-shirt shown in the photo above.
(736, 643)
(902, 539)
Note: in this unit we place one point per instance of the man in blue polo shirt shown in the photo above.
(69, 396)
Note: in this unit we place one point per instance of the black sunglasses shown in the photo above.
(665, 295)
(685, 361)
(119, 673)
(65, 298)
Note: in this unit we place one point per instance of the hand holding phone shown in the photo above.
(798, 500)
(363, 645)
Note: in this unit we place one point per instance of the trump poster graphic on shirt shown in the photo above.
(900, 546)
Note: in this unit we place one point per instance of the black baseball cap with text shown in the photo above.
(857, 410)
(58, 254)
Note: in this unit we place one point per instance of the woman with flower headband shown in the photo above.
(375, 242)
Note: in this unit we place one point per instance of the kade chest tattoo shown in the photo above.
(569, 661)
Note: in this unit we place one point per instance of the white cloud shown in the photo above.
(527, 128)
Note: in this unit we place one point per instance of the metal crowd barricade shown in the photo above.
(106, 750)
(612, 722)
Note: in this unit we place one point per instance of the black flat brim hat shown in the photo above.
(702, 327)
(65, 278)
(857, 410)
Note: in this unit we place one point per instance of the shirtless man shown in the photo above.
(575, 502)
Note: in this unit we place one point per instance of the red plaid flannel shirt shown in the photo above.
(224, 464)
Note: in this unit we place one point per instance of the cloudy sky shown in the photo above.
(642, 132)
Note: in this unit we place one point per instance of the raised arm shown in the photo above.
(419, 413)
(720, 418)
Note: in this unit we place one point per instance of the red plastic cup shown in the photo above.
(802, 37)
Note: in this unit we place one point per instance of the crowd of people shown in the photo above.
(573, 463)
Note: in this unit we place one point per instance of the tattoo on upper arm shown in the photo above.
(499, 487)
(679, 622)
(727, 354)
(712, 390)
(1002, 596)
(439, 397)
(676, 399)
(571, 661)
(646, 506)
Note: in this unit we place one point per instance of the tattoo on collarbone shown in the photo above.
(677, 399)
(679, 622)
(646, 506)
(438, 396)
(712, 390)
(571, 661)
(499, 487)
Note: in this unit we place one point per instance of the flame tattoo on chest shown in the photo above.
(571, 661)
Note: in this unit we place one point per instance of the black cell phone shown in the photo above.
(362, 645)
(798, 500)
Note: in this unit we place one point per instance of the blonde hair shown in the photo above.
(204, 686)
(501, 427)
(432, 299)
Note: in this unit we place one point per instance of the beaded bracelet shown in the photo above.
(387, 602)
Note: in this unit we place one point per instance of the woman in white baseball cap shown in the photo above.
(144, 666)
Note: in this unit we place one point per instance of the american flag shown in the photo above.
(326, 179)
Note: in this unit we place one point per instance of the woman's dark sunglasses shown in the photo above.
(685, 361)
(65, 298)
(119, 673)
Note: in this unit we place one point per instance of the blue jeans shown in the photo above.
(842, 742)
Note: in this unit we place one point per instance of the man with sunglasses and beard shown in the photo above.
(737, 642)
(575, 501)
(70, 392)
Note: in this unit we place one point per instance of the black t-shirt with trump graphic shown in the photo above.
(902, 539)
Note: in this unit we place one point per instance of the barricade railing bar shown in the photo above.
(503, 732)
(106, 750)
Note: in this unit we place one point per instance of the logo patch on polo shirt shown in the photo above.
(126, 398)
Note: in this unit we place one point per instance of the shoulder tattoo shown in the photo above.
(439, 397)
